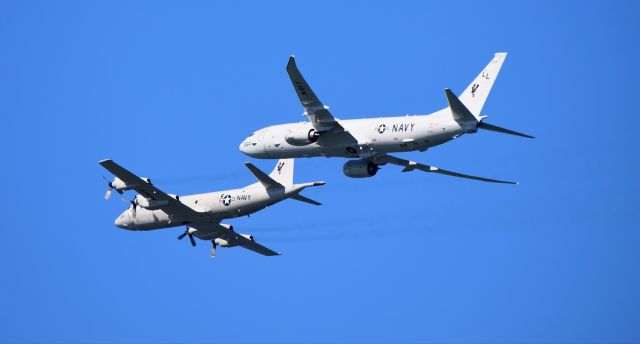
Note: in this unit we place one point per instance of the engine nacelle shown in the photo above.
(149, 204)
(360, 168)
(231, 243)
(120, 185)
(229, 227)
(221, 242)
(248, 236)
(301, 137)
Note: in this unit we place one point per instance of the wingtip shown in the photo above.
(103, 161)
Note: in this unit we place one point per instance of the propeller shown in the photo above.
(134, 204)
(213, 250)
(110, 188)
(187, 233)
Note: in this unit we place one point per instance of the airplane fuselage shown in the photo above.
(379, 135)
(216, 205)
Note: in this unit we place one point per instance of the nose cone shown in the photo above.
(121, 222)
(253, 147)
(243, 146)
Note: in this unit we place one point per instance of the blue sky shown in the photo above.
(170, 90)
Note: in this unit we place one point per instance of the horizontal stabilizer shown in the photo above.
(301, 198)
(262, 177)
(491, 127)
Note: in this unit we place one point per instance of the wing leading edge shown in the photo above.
(331, 132)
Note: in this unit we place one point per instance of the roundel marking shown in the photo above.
(226, 200)
(382, 128)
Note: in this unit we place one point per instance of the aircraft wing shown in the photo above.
(319, 114)
(214, 230)
(255, 247)
(412, 165)
(174, 206)
(332, 133)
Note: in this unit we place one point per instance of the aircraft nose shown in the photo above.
(249, 147)
(243, 147)
(120, 223)
(253, 145)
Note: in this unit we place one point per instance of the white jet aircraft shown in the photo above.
(201, 213)
(371, 139)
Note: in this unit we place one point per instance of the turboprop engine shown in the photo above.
(301, 137)
(360, 168)
(149, 204)
(230, 243)
(119, 185)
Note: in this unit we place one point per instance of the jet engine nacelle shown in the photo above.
(149, 204)
(360, 168)
(301, 137)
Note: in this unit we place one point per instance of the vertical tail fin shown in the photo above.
(283, 172)
(476, 93)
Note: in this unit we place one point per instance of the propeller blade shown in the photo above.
(109, 188)
(134, 205)
(213, 250)
(181, 236)
(193, 241)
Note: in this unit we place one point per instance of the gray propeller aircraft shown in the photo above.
(201, 213)
(369, 140)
